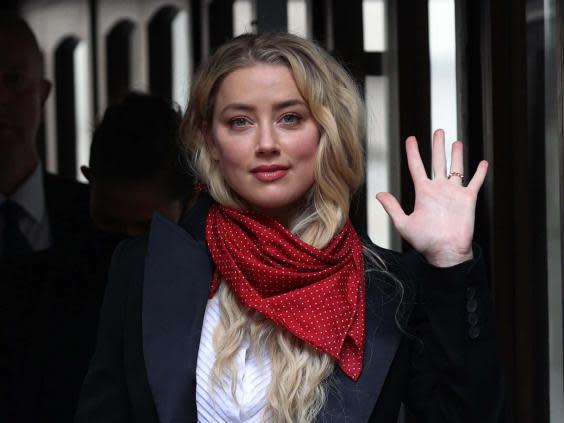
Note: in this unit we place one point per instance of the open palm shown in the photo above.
(441, 225)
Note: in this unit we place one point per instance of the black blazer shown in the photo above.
(144, 367)
(49, 307)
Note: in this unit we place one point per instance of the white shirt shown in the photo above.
(253, 379)
(34, 224)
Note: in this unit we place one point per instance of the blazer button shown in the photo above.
(473, 318)
(470, 293)
(474, 332)
(471, 305)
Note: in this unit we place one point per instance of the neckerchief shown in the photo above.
(316, 294)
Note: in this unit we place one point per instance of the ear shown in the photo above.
(44, 90)
(87, 173)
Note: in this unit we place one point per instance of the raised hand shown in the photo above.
(441, 225)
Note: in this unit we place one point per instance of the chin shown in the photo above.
(279, 210)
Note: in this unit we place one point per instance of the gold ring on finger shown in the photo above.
(457, 174)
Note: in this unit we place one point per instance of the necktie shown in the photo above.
(14, 241)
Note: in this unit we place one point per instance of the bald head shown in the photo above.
(18, 36)
(23, 92)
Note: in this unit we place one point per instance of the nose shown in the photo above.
(267, 142)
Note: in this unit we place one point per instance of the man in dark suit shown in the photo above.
(53, 264)
(23, 92)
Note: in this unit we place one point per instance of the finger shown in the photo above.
(478, 179)
(392, 207)
(414, 163)
(457, 162)
(439, 158)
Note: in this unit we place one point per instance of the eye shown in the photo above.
(239, 122)
(291, 119)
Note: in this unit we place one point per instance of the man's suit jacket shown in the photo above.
(144, 366)
(49, 307)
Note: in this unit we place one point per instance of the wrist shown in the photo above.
(449, 258)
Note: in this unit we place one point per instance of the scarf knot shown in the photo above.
(316, 294)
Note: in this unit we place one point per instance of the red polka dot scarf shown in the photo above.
(318, 295)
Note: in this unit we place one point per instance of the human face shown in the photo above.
(265, 139)
(22, 95)
(127, 207)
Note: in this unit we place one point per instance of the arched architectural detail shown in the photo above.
(119, 59)
(161, 51)
(65, 95)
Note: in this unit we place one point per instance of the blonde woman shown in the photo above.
(264, 304)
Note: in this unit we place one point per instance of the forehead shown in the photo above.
(18, 50)
(258, 82)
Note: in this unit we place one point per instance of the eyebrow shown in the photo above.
(277, 106)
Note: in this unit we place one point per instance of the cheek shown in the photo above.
(306, 148)
(30, 99)
(231, 154)
(27, 109)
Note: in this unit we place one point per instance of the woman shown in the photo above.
(264, 304)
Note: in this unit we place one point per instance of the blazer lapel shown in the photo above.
(349, 401)
(178, 272)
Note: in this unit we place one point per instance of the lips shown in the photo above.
(269, 173)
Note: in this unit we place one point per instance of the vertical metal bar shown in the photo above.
(197, 29)
(414, 97)
(349, 49)
(220, 14)
(554, 156)
(319, 30)
(272, 15)
(93, 9)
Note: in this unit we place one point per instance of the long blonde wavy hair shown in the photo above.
(299, 372)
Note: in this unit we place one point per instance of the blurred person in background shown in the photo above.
(53, 263)
(136, 166)
(23, 184)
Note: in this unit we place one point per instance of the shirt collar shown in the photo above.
(30, 195)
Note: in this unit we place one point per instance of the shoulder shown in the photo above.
(125, 277)
(129, 254)
(167, 248)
